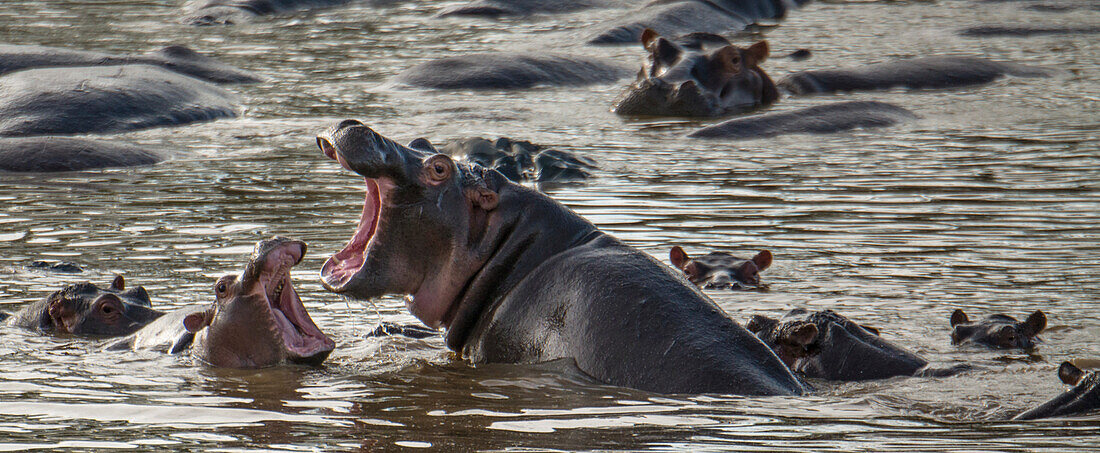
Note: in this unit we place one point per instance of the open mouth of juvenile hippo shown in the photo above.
(303, 340)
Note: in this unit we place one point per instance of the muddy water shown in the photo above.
(990, 202)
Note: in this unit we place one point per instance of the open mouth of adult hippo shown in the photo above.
(303, 340)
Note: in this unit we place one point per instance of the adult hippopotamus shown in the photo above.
(180, 59)
(228, 12)
(515, 277)
(676, 81)
(914, 73)
(1027, 30)
(86, 309)
(826, 345)
(721, 270)
(819, 119)
(997, 331)
(103, 99)
(681, 17)
(510, 70)
(47, 154)
(256, 320)
(497, 8)
(518, 160)
(1083, 397)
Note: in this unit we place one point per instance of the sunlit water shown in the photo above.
(990, 202)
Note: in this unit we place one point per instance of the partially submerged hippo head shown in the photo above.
(791, 340)
(86, 309)
(677, 81)
(1083, 397)
(429, 213)
(997, 331)
(257, 319)
(721, 270)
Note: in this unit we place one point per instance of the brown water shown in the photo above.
(990, 203)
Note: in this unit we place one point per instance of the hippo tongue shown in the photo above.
(343, 265)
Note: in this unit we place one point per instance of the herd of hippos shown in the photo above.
(512, 275)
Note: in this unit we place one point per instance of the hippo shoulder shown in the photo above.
(504, 70)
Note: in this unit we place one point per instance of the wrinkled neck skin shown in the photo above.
(514, 249)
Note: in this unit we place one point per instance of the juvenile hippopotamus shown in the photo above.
(826, 345)
(997, 331)
(497, 8)
(103, 99)
(721, 270)
(48, 154)
(515, 277)
(256, 320)
(819, 119)
(681, 17)
(510, 70)
(229, 12)
(180, 59)
(914, 73)
(519, 160)
(675, 81)
(86, 309)
(1082, 398)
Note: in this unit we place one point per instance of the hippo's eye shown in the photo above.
(439, 168)
(106, 309)
(222, 288)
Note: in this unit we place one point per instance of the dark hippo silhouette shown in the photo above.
(58, 266)
(826, 345)
(180, 59)
(497, 8)
(675, 81)
(1027, 30)
(47, 154)
(103, 99)
(505, 70)
(1083, 397)
(721, 270)
(229, 12)
(819, 119)
(516, 277)
(914, 73)
(256, 320)
(519, 160)
(386, 329)
(681, 17)
(997, 331)
(86, 309)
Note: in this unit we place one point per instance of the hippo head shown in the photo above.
(997, 331)
(678, 81)
(791, 340)
(85, 309)
(257, 319)
(720, 270)
(1083, 397)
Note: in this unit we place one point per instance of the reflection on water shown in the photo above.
(988, 203)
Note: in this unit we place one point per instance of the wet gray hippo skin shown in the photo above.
(516, 277)
(174, 58)
(256, 320)
(49, 154)
(86, 309)
(497, 8)
(1027, 30)
(506, 70)
(518, 160)
(826, 345)
(997, 331)
(721, 270)
(915, 73)
(228, 12)
(681, 17)
(820, 119)
(678, 81)
(104, 99)
(1082, 398)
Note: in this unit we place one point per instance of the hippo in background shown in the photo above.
(179, 59)
(914, 73)
(681, 17)
(255, 321)
(721, 270)
(998, 331)
(229, 12)
(52, 154)
(516, 277)
(1082, 398)
(1021, 31)
(681, 81)
(827, 345)
(86, 309)
(818, 119)
(497, 8)
(518, 160)
(510, 70)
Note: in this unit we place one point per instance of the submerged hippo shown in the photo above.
(721, 270)
(515, 277)
(497, 8)
(1028, 30)
(256, 320)
(180, 59)
(819, 119)
(997, 331)
(47, 154)
(914, 73)
(676, 81)
(510, 70)
(103, 99)
(228, 12)
(1083, 397)
(86, 309)
(519, 160)
(826, 345)
(681, 17)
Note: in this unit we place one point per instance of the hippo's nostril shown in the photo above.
(326, 147)
(348, 123)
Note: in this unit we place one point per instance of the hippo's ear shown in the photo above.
(958, 317)
(804, 334)
(762, 260)
(661, 50)
(486, 198)
(1034, 324)
(195, 322)
(678, 257)
(759, 323)
(118, 284)
(758, 52)
(1069, 374)
(648, 36)
(873, 330)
